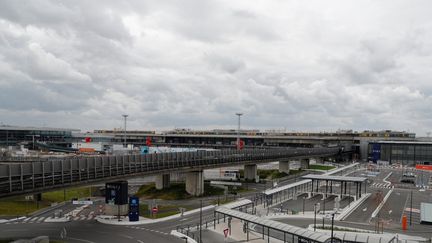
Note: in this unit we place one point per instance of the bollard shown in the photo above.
(404, 222)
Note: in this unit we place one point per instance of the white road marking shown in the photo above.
(140, 241)
(87, 241)
(390, 211)
(34, 219)
(41, 219)
(364, 209)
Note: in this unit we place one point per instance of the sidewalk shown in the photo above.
(237, 234)
(113, 220)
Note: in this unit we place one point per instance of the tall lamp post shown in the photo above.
(332, 223)
(124, 132)
(200, 227)
(316, 208)
(238, 130)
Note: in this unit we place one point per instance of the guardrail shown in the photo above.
(31, 177)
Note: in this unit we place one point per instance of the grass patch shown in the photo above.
(58, 196)
(275, 174)
(18, 206)
(321, 167)
(176, 191)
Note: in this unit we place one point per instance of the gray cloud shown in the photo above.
(292, 65)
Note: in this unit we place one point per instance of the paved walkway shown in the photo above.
(237, 234)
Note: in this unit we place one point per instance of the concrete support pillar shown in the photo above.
(304, 163)
(284, 166)
(195, 183)
(250, 172)
(162, 181)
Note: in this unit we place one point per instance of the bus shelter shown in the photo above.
(329, 181)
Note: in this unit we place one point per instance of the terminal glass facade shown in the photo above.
(402, 153)
(11, 137)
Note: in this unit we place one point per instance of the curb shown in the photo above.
(346, 212)
(375, 213)
(109, 219)
(182, 236)
(2, 221)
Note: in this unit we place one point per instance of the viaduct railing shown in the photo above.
(34, 177)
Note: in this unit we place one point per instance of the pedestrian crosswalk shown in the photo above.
(41, 219)
(381, 185)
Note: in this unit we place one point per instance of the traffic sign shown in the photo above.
(155, 209)
(226, 232)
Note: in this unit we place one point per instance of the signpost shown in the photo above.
(155, 210)
(229, 224)
(225, 231)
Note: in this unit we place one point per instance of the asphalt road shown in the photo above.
(91, 231)
(87, 232)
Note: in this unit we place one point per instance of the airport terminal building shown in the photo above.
(386, 145)
(401, 152)
(14, 135)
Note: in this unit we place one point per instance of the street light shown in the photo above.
(124, 132)
(332, 227)
(316, 208)
(238, 130)
(200, 227)
(304, 204)
(411, 199)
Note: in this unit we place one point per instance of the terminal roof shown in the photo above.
(335, 178)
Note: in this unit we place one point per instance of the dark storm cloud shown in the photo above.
(316, 66)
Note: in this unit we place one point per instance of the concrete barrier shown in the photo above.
(182, 236)
(348, 210)
(375, 213)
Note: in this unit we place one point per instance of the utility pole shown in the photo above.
(315, 212)
(332, 228)
(200, 227)
(411, 207)
(124, 132)
(304, 204)
(238, 130)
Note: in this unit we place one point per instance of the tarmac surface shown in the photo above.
(84, 227)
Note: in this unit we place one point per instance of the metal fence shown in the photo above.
(28, 177)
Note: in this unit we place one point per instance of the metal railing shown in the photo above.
(21, 178)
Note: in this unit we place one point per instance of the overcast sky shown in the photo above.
(294, 65)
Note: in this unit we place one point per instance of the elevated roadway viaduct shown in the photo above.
(19, 178)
